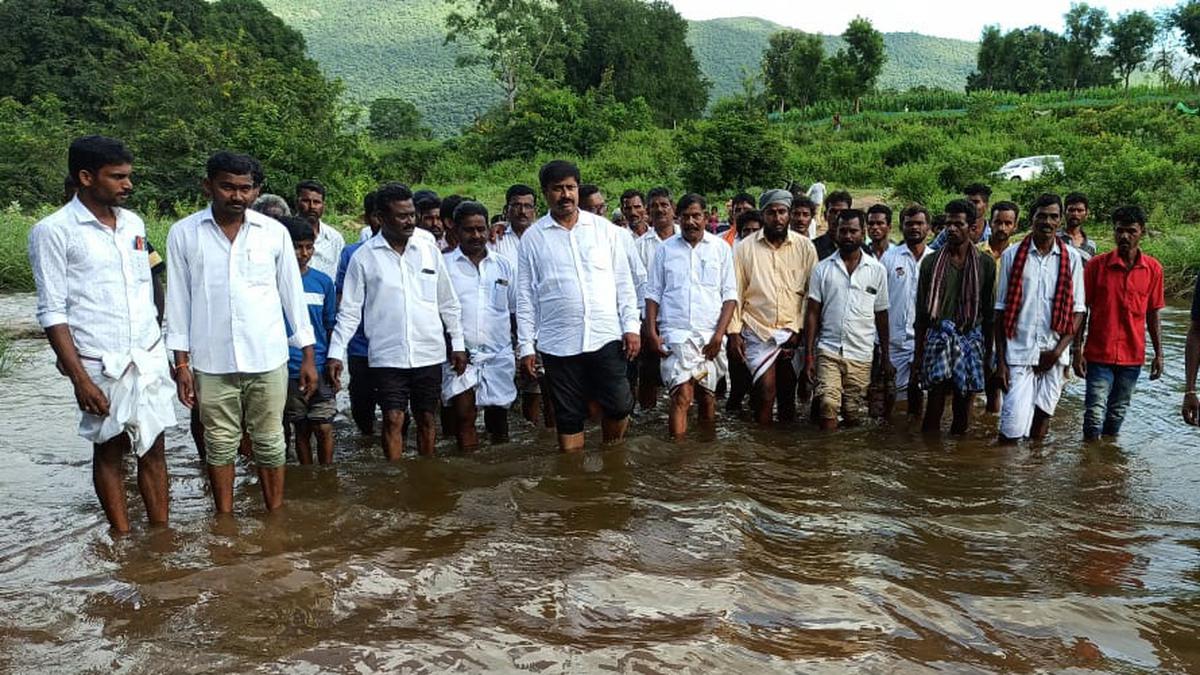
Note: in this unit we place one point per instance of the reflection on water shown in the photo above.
(751, 551)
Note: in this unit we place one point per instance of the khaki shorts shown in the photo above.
(255, 401)
(841, 386)
(320, 409)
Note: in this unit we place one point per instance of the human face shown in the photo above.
(956, 228)
(619, 219)
(1076, 214)
(981, 205)
(1128, 236)
(832, 210)
(975, 231)
(634, 210)
(398, 220)
(473, 235)
(111, 185)
(520, 211)
(776, 219)
(563, 197)
(304, 253)
(916, 229)
(691, 222)
(801, 218)
(849, 236)
(662, 212)
(750, 228)
(1045, 222)
(431, 219)
(1004, 223)
(596, 204)
(878, 227)
(737, 209)
(311, 205)
(231, 194)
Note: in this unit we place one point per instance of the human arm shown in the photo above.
(812, 328)
(450, 309)
(650, 330)
(526, 310)
(882, 325)
(625, 266)
(290, 287)
(349, 316)
(1191, 405)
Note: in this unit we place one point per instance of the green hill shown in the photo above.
(380, 48)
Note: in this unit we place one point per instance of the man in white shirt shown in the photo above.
(310, 205)
(662, 228)
(847, 310)
(903, 266)
(690, 298)
(229, 270)
(90, 260)
(576, 298)
(1040, 306)
(398, 287)
(486, 285)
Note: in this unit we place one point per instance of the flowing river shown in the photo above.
(748, 551)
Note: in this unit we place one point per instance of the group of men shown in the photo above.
(441, 309)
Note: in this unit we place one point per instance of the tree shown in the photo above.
(518, 39)
(988, 59)
(856, 67)
(641, 47)
(1132, 36)
(394, 119)
(1085, 27)
(1187, 21)
(793, 68)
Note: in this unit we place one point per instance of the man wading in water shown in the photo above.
(91, 263)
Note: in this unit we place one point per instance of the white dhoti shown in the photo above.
(761, 354)
(491, 374)
(140, 393)
(686, 362)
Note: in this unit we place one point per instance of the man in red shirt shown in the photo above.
(1124, 290)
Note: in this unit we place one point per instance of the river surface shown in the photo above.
(745, 551)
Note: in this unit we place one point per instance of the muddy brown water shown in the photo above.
(744, 551)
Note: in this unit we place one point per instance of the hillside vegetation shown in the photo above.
(394, 49)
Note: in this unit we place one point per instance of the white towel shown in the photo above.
(761, 354)
(491, 374)
(686, 361)
(141, 397)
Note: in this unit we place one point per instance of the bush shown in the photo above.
(730, 152)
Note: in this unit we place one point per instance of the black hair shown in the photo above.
(1076, 198)
(497, 218)
(389, 193)
(978, 189)
(912, 210)
(1129, 215)
(634, 192)
(311, 186)
(1007, 206)
(658, 192)
(424, 202)
(369, 203)
(839, 196)
(556, 170)
(299, 228)
(742, 198)
(962, 206)
(518, 190)
(749, 216)
(234, 164)
(851, 214)
(881, 208)
(1046, 199)
(449, 204)
(468, 208)
(689, 199)
(804, 201)
(587, 190)
(92, 153)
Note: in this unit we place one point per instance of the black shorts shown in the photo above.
(397, 388)
(650, 368)
(592, 376)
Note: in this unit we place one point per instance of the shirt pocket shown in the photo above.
(500, 296)
(258, 265)
(427, 285)
(710, 273)
(862, 303)
(597, 257)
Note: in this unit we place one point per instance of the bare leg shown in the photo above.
(304, 453)
(495, 421)
(762, 397)
(962, 413)
(707, 412)
(221, 479)
(463, 415)
(393, 434)
(647, 393)
(271, 480)
(1041, 424)
(613, 430)
(570, 442)
(153, 484)
(197, 429)
(681, 402)
(108, 477)
(935, 408)
(531, 407)
(324, 442)
(785, 388)
(427, 433)
(448, 420)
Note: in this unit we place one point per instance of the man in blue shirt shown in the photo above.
(311, 415)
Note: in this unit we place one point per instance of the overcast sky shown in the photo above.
(963, 19)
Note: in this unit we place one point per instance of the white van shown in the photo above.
(1027, 168)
